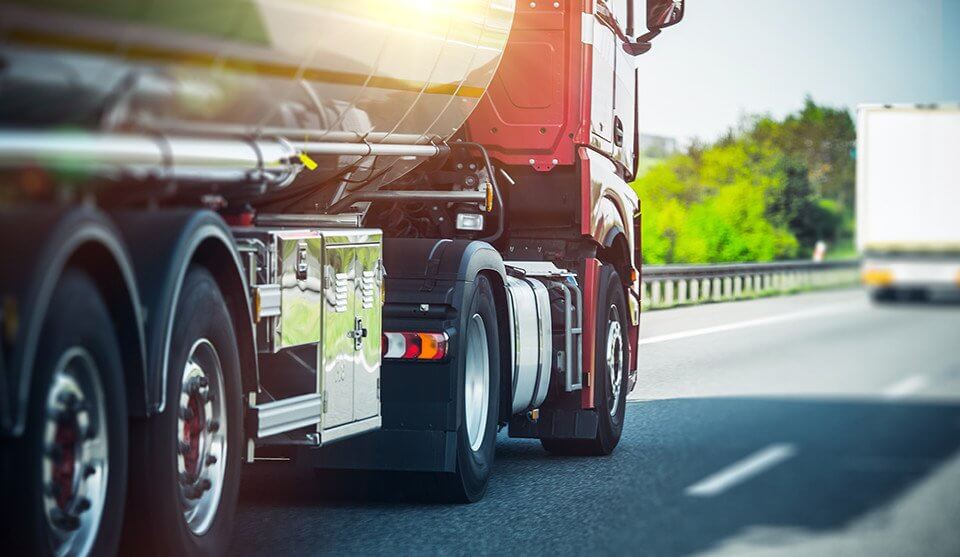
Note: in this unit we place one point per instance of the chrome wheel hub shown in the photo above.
(201, 437)
(75, 459)
(476, 382)
(614, 357)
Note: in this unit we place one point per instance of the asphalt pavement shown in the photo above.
(815, 424)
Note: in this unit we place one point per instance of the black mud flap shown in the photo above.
(556, 424)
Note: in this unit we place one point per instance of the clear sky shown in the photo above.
(731, 57)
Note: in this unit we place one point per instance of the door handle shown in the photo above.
(617, 131)
(302, 266)
(358, 333)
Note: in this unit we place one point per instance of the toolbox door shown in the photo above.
(337, 351)
(367, 334)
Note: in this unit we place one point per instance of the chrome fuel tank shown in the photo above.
(377, 71)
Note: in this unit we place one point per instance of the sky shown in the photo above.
(728, 58)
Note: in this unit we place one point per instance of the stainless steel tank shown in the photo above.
(376, 71)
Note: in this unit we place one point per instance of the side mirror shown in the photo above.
(660, 14)
(663, 13)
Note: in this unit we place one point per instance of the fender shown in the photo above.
(164, 244)
(442, 260)
(37, 245)
(609, 203)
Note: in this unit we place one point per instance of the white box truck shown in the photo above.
(908, 197)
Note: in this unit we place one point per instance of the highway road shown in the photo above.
(815, 424)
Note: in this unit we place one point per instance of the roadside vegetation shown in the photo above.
(769, 189)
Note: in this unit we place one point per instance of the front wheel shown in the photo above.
(188, 457)
(611, 373)
(480, 370)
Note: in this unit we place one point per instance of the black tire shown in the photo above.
(78, 349)
(474, 465)
(883, 295)
(158, 524)
(899, 295)
(611, 308)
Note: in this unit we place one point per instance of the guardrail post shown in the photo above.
(682, 291)
(737, 286)
(694, 290)
(668, 293)
(655, 297)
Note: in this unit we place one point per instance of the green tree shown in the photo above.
(821, 138)
(768, 190)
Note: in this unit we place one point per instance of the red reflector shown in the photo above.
(413, 346)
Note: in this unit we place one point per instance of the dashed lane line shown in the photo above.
(741, 471)
(906, 386)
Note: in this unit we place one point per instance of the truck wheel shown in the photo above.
(611, 375)
(188, 457)
(883, 295)
(477, 434)
(69, 470)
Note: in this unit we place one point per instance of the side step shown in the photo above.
(281, 416)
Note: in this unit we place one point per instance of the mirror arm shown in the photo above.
(642, 44)
(648, 36)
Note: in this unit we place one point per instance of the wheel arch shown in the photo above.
(48, 242)
(506, 343)
(615, 250)
(165, 244)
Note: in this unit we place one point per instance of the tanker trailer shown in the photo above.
(362, 235)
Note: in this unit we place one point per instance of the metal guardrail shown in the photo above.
(672, 285)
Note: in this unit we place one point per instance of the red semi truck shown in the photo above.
(365, 235)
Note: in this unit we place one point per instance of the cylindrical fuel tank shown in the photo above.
(380, 71)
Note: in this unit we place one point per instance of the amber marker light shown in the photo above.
(877, 277)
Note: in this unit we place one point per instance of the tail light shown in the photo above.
(415, 346)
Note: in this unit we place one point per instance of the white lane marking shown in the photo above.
(905, 387)
(805, 314)
(738, 472)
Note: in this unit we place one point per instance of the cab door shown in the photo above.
(625, 141)
(602, 79)
(614, 92)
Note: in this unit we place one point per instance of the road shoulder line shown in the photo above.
(805, 314)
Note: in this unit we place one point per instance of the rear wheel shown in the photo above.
(611, 372)
(69, 471)
(898, 294)
(188, 457)
(477, 434)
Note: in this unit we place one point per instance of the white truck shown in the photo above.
(908, 193)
